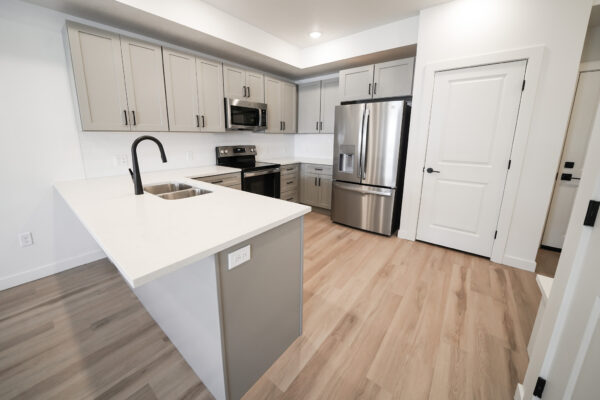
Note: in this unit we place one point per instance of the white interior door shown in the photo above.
(473, 118)
(572, 358)
(587, 98)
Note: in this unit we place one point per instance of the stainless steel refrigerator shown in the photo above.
(369, 160)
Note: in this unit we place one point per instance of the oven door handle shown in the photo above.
(263, 172)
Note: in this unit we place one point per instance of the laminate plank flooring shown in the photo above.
(384, 318)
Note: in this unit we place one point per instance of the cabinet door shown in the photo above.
(210, 92)
(356, 83)
(273, 93)
(99, 79)
(288, 112)
(393, 78)
(182, 91)
(145, 84)
(234, 81)
(324, 187)
(309, 107)
(329, 99)
(255, 83)
(309, 191)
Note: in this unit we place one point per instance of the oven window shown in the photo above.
(267, 185)
(244, 116)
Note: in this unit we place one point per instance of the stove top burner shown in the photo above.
(247, 165)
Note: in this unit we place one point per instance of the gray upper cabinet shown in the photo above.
(329, 99)
(356, 83)
(241, 84)
(309, 107)
(194, 93)
(281, 100)
(99, 80)
(316, 106)
(274, 106)
(182, 91)
(393, 78)
(289, 97)
(210, 92)
(145, 85)
(388, 79)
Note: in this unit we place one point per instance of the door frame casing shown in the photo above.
(418, 142)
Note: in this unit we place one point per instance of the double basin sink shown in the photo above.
(174, 191)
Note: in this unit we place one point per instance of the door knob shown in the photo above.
(431, 170)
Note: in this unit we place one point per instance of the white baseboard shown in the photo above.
(521, 263)
(405, 234)
(519, 392)
(50, 269)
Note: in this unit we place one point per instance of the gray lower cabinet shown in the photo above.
(290, 175)
(233, 180)
(315, 186)
(261, 304)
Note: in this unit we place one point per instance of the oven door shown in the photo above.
(245, 115)
(265, 182)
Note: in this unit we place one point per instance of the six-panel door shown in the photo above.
(472, 124)
(99, 79)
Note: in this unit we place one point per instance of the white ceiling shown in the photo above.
(293, 20)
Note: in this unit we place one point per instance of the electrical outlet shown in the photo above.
(121, 160)
(238, 257)
(25, 239)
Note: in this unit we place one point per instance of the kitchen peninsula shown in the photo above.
(220, 272)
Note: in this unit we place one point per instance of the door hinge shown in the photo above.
(523, 87)
(495, 234)
(509, 163)
(539, 387)
(592, 213)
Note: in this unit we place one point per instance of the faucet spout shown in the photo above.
(135, 174)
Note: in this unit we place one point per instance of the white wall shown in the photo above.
(38, 145)
(468, 28)
(318, 145)
(41, 143)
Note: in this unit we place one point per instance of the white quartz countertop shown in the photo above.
(147, 237)
(299, 160)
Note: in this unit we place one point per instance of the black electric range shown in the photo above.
(257, 177)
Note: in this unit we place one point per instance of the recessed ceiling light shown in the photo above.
(315, 34)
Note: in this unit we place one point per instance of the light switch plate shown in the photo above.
(238, 257)
(25, 239)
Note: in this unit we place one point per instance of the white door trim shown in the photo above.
(418, 140)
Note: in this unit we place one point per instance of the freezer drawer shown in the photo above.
(364, 207)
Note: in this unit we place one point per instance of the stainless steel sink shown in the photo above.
(182, 194)
(174, 191)
(166, 188)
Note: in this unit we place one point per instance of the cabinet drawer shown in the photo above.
(223, 179)
(291, 195)
(291, 169)
(317, 169)
(289, 183)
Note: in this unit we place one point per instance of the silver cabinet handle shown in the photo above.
(125, 114)
(263, 172)
(197, 121)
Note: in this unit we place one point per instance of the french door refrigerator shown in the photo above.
(369, 156)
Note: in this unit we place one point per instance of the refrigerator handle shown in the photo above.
(365, 143)
(361, 138)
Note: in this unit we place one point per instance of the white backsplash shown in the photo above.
(314, 145)
(100, 150)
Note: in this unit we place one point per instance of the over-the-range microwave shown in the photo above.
(241, 115)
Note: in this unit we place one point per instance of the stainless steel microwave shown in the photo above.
(241, 115)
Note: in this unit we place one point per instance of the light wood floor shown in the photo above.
(546, 262)
(383, 318)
